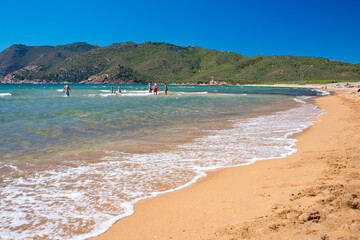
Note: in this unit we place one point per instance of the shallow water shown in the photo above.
(71, 166)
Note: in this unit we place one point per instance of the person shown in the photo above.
(166, 89)
(119, 88)
(156, 88)
(112, 90)
(149, 88)
(67, 89)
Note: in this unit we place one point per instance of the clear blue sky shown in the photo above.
(319, 28)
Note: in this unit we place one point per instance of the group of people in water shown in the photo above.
(150, 89)
(154, 90)
(114, 90)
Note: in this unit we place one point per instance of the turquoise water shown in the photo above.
(65, 160)
(38, 119)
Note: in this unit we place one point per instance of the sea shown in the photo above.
(70, 167)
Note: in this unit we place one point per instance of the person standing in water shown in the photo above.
(156, 88)
(67, 90)
(119, 88)
(112, 90)
(166, 89)
(149, 88)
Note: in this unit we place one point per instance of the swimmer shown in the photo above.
(67, 90)
(166, 89)
(156, 88)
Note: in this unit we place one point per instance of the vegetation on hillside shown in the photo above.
(20, 56)
(161, 62)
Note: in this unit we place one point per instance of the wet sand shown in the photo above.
(313, 194)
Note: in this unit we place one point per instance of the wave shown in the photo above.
(101, 95)
(5, 94)
(301, 99)
(125, 94)
(135, 94)
(321, 92)
(140, 91)
(195, 93)
(98, 194)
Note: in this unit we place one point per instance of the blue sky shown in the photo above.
(319, 28)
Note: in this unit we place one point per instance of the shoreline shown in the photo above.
(220, 205)
(307, 85)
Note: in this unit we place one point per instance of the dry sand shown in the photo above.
(313, 194)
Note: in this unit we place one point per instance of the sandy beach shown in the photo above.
(313, 194)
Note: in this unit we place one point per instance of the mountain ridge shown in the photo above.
(19, 56)
(162, 62)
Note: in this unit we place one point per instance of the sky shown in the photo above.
(317, 28)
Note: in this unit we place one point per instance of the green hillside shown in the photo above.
(161, 62)
(19, 56)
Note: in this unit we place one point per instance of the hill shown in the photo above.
(140, 63)
(19, 56)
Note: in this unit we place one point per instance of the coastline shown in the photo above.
(302, 195)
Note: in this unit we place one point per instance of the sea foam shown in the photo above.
(92, 196)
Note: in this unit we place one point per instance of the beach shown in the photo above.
(312, 194)
(75, 165)
(190, 165)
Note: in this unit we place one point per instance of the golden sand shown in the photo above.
(313, 194)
